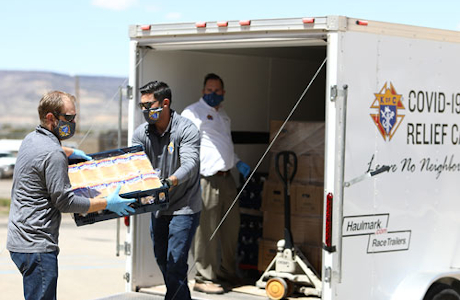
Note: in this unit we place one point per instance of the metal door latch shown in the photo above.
(335, 92)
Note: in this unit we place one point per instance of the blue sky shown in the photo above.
(90, 37)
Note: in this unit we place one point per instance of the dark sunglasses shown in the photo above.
(68, 118)
(146, 105)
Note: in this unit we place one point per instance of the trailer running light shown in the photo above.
(126, 221)
(222, 24)
(362, 23)
(146, 27)
(328, 235)
(308, 20)
(200, 24)
(245, 23)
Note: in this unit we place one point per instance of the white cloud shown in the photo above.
(173, 16)
(114, 4)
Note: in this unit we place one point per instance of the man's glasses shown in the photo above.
(146, 105)
(68, 118)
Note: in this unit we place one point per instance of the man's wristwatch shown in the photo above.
(168, 182)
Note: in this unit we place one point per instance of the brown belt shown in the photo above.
(222, 173)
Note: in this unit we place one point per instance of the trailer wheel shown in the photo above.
(441, 291)
(276, 288)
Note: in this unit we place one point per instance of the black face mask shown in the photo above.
(152, 115)
(213, 99)
(64, 130)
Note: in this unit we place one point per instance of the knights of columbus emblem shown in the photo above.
(388, 103)
(171, 147)
(64, 130)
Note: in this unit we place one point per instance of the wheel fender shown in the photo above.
(416, 285)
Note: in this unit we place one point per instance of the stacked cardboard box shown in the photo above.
(306, 140)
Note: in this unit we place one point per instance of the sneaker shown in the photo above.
(208, 288)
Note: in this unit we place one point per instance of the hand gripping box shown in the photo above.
(128, 167)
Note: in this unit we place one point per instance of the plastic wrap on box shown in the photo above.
(128, 167)
(306, 139)
(300, 137)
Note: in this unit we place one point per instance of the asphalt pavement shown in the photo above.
(88, 266)
(5, 187)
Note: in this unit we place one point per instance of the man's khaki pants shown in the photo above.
(216, 259)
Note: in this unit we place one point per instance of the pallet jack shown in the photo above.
(289, 271)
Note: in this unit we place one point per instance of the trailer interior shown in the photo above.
(263, 82)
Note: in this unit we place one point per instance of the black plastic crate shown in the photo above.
(251, 196)
(147, 201)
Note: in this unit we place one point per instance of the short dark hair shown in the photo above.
(159, 89)
(52, 102)
(213, 76)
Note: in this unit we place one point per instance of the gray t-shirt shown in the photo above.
(175, 152)
(41, 191)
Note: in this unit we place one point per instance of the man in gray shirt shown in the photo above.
(41, 192)
(172, 144)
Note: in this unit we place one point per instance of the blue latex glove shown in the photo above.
(79, 154)
(119, 205)
(243, 168)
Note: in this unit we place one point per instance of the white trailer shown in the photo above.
(389, 95)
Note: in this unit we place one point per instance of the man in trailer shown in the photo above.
(42, 191)
(172, 144)
(218, 190)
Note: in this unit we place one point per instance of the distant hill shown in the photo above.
(20, 92)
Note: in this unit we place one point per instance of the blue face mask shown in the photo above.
(213, 99)
(152, 115)
(64, 130)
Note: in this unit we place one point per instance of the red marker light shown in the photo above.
(362, 23)
(308, 20)
(245, 23)
(145, 27)
(222, 24)
(328, 233)
(200, 24)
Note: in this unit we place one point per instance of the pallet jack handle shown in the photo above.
(289, 169)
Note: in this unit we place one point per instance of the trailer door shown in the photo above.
(402, 107)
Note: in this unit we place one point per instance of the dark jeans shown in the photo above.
(39, 274)
(172, 237)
